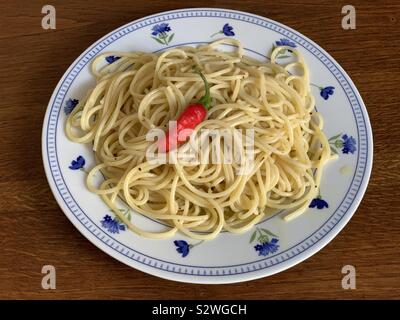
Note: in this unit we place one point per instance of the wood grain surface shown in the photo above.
(34, 231)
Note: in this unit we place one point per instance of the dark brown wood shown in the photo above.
(34, 231)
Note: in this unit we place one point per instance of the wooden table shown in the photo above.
(34, 231)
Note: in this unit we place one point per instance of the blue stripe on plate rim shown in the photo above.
(202, 274)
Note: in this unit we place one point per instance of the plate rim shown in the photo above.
(213, 279)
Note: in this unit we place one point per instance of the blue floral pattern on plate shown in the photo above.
(347, 143)
(227, 30)
(285, 42)
(265, 248)
(160, 33)
(112, 59)
(112, 225)
(318, 203)
(325, 92)
(78, 164)
(70, 105)
(183, 247)
(265, 245)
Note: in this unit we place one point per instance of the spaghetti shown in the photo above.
(142, 91)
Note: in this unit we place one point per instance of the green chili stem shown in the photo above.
(206, 99)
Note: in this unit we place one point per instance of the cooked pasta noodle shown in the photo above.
(142, 91)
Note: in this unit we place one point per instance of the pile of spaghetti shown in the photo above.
(142, 91)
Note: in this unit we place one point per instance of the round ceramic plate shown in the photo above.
(273, 245)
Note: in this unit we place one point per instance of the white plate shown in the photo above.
(228, 258)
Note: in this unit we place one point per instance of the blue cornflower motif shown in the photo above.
(285, 42)
(112, 225)
(160, 33)
(326, 92)
(342, 141)
(160, 28)
(349, 144)
(319, 203)
(267, 247)
(228, 30)
(70, 105)
(77, 164)
(111, 59)
(182, 247)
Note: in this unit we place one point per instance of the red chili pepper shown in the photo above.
(193, 115)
